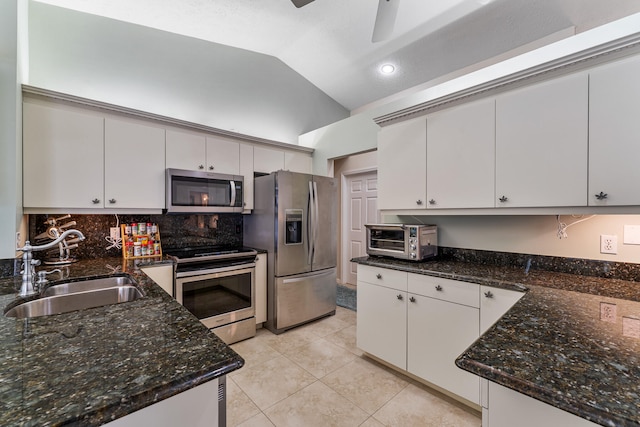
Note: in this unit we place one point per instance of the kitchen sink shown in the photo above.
(72, 301)
(88, 285)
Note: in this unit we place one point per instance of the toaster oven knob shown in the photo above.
(413, 247)
(413, 255)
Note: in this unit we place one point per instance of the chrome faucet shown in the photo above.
(29, 264)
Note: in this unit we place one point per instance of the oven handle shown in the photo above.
(237, 268)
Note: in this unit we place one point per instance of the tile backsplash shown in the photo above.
(175, 231)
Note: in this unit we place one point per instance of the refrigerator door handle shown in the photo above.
(310, 225)
(233, 193)
(316, 217)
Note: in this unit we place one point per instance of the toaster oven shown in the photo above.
(410, 242)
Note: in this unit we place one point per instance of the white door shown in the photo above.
(361, 208)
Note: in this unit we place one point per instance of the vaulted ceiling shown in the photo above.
(328, 42)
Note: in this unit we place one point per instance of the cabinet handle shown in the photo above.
(95, 201)
(378, 276)
(399, 296)
(601, 196)
(488, 294)
(432, 202)
(418, 202)
(503, 199)
(201, 167)
(412, 299)
(210, 168)
(438, 288)
(112, 201)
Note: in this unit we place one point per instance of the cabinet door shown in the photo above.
(508, 408)
(185, 150)
(382, 323)
(162, 275)
(494, 303)
(614, 133)
(437, 333)
(246, 170)
(402, 163)
(62, 158)
(134, 165)
(461, 156)
(297, 162)
(541, 144)
(223, 156)
(267, 160)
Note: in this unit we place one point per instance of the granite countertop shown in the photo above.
(92, 366)
(552, 345)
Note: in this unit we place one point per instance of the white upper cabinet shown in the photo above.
(134, 158)
(614, 134)
(185, 150)
(267, 160)
(295, 161)
(461, 156)
(223, 156)
(541, 144)
(246, 170)
(402, 157)
(63, 159)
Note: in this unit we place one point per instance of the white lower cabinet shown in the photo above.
(261, 288)
(508, 408)
(494, 303)
(196, 407)
(162, 275)
(400, 322)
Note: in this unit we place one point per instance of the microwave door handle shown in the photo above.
(233, 193)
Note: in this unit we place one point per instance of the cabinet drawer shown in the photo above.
(445, 289)
(383, 276)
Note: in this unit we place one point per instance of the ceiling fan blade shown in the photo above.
(300, 3)
(385, 20)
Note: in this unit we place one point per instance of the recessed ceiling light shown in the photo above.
(387, 69)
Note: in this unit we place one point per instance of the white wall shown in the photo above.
(12, 20)
(173, 75)
(533, 234)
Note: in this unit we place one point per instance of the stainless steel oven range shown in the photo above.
(217, 285)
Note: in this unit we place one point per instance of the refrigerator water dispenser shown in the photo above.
(293, 226)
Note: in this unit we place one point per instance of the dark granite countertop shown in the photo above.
(92, 366)
(552, 345)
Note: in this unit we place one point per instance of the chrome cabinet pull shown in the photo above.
(412, 299)
(488, 294)
(601, 196)
(399, 296)
(378, 276)
(438, 288)
(95, 201)
(112, 201)
(503, 199)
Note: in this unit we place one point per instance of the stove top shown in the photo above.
(204, 253)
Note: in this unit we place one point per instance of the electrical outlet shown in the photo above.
(608, 244)
(114, 232)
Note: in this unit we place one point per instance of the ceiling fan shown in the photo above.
(385, 18)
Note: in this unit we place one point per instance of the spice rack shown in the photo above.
(140, 243)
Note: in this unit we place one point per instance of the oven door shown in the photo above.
(218, 296)
(389, 240)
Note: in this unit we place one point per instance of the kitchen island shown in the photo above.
(92, 366)
(572, 341)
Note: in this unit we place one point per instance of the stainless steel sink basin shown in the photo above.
(88, 285)
(80, 300)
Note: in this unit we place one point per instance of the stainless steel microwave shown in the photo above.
(203, 192)
(411, 242)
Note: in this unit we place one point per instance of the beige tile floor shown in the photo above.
(315, 375)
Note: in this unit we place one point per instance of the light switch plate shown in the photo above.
(631, 235)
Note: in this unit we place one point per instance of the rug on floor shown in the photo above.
(346, 297)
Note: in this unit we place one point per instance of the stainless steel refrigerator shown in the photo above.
(294, 219)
